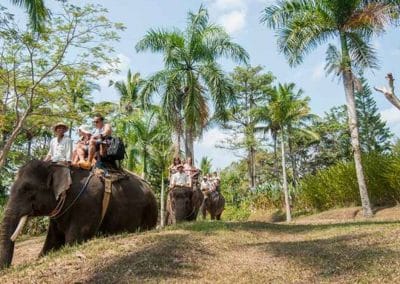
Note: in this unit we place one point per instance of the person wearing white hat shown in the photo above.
(60, 146)
(81, 150)
(180, 178)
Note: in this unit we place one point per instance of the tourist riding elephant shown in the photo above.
(214, 203)
(36, 191)
(183, 204)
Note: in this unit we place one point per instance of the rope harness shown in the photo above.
(108, 184)
(57, 213)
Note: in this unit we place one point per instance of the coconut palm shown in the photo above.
(205, 165)
(129, 91)
(191, 77)
(286, 111)
(302, 25)
(36, 10)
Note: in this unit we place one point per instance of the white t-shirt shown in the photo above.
(60, 151)
(180, 179)
(205, 185)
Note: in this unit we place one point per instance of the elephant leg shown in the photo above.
(54, 240)
(212, 215)
(203, 211)
(219, 216)
(78, 234)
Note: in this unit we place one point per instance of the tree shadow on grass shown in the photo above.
(207, 226)
(343, 256)
(170, 256)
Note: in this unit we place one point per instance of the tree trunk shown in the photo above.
(275, 138)
(189, 143)
(251, 167)
(144, 174)
(355, 142)
(7, 147)
(162, 202)
(285, 184)
(292, 160)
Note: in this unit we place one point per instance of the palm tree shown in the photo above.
(129, 91)
(147, 130)
(286, 109)
(302, 25)
(205, 165)
(37, 12)
(191, 77)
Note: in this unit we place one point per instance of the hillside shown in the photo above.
(223, 252)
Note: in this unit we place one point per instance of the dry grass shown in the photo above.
(225, 252)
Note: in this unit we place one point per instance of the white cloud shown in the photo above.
(223, 5)
(233, 21)
(391, 115)
(231, 14)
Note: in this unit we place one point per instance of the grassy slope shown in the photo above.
(228, 252)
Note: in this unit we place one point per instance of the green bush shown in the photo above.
(234, 213)
(337, 186)
(266, 196)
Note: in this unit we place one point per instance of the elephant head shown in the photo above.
(34, 193)
(181, 203)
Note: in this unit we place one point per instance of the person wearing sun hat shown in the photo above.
(81, 150)
(60, 146)
(180, 178)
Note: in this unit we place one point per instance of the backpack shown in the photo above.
(116, 149)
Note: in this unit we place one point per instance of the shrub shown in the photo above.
(234, 213)
(337, 186)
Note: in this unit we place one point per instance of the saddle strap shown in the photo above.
(106, 197)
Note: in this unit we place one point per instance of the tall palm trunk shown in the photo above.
(355, 142)
(275, 138)
(292, 158)
(189, 143)
(162, 201)
(285, 184)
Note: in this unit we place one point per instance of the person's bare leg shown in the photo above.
(92, 150)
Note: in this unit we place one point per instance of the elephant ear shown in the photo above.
(59, 180)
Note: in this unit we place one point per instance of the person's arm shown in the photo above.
(107, 130)
(50, 153)
(68, 149)
(172, 183)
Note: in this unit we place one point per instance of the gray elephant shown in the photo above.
(132, 206)
(183, 204)
(214, 203)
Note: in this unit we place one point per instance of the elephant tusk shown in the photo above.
(19, 228)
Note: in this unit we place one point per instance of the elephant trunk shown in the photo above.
(11, 226)
(181, 212)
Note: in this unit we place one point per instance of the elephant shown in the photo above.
(132, 206)
(183, 204)
(214, 203)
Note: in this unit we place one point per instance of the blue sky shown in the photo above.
(241, 19)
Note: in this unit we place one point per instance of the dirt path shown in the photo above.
(27, 251)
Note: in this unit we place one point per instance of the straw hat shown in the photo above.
(85, 129)
(60, 124)
(179, 166)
